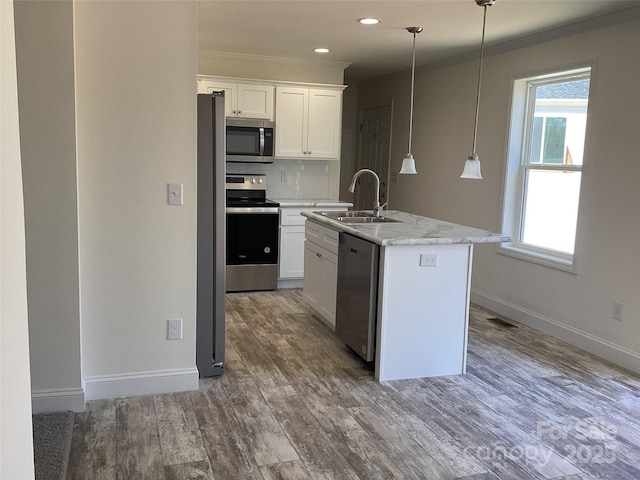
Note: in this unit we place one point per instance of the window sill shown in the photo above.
(538, 258)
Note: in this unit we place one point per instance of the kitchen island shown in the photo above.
(424, 280)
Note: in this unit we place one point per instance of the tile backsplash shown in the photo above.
(292, 178)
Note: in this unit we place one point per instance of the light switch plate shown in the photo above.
(174, 193)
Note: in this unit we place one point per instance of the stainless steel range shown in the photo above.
(252, 234)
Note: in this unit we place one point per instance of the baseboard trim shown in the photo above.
(141, 383)
(579, 338)
(289, 283)
(61, 400)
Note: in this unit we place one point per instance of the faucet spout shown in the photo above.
(352, 188)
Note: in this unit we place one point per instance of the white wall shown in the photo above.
(577, 308)
(44, 46)
(136, 130)
(270, 68)
(16, 444)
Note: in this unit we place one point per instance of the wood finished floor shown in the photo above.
(294, 403)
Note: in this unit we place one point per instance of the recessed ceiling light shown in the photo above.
(321, 50)
(369, 21)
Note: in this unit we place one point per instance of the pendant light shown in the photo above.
(472, 165)
(408, 163)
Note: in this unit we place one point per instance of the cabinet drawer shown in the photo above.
(322, 236)
(291, 216)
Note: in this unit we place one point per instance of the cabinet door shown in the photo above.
(325, 120)
(255, 101)
(230, 95)
(312, 287)
(292, 251)
(329, 287)
(291, 122)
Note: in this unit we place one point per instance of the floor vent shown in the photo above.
(501, 322)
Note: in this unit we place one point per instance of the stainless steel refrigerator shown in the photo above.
(210, 314)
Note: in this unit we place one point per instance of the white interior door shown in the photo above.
(375, 144)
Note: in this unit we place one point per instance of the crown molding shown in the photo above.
(607, 20)
(247, 57)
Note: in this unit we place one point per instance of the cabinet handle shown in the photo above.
(318, 255)
(239, 112)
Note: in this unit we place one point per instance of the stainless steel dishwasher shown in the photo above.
(357, 295)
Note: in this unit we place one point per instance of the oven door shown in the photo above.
(252, 249)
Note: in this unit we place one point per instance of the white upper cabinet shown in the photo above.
(308, 122)
(242, 100)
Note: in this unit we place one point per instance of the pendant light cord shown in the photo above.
(413, 75)
(475, 127)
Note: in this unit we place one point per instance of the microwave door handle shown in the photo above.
(261, 141)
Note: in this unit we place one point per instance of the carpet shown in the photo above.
(51, 444)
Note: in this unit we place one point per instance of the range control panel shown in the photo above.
(246, 182)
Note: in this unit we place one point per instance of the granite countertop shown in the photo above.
(311, 202)
(411, 230)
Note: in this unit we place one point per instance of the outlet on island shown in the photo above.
(429, 260)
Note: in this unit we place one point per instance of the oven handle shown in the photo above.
(244, 210)
(261, 141)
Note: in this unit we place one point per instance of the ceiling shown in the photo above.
(452, 28)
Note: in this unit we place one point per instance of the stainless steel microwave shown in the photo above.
(250, 141)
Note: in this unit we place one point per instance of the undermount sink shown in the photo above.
(357, 216)
(366, 220)
(347, 213)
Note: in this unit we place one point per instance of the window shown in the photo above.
(544, 166)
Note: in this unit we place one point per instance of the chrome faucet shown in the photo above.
(377, 208)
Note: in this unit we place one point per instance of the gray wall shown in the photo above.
(136, 128)
(44, 44)
(108, 260)
(577, 308)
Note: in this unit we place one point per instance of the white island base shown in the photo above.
(424, 286)
(423, 311)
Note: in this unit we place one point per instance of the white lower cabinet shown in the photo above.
(292, 236)
(291, 251)
(321, 271)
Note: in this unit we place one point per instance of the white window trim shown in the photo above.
(514, 182)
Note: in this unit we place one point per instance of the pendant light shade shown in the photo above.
(472, 165)
(409, 163)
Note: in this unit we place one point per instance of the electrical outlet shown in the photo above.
(428, 259)
(617, 311)
(283, 176)
(174, 329)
